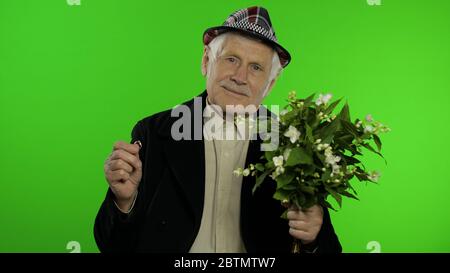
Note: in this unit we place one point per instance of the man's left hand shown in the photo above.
(305, 224)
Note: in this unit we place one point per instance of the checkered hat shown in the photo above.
(255, 22)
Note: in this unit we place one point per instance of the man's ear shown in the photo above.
(205, 61)
(271, 84)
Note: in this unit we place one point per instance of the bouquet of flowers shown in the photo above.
(318, 153)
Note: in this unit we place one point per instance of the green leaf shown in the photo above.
(350, 187)
(377, 142)
(270, 164)
(309, 99)
(345, 140)
(345, 193)
(290, 115)
(269, 155)
(259, 167)
(260, 179)
(281, 195)
(331, 107)
(345, 113)
(352, 148)
(326, 175)
(361, 176)
(371, 149)
(284, 179)
(309, 134)
(284, 214)
(299, 199)
(350, 128)
(350, 160)
(328, 205)
(298, 155)
(327, 132)
(289, 187)
(335, 195)
(310, 201)
(308, 169)
(307, 189)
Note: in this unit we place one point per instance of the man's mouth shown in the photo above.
(234, 92)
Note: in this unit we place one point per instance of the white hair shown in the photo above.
(216, 46)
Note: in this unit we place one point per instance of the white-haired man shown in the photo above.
(180, 195)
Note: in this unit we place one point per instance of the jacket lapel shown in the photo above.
(186, 158)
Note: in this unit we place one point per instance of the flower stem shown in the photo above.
(296, 246)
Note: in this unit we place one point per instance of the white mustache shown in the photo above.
(235, 88)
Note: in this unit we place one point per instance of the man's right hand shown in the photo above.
(123, 171)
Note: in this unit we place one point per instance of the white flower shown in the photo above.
(336, 168)
(323, 99)
(369, 118)
(374, 176)
(279, 170)
(368, 129)
(292, 133)
(321, 147)
(328, 151)
(278, 161)
(385, 129)
(292, 95)
(237, 172)
(245, 172)
(332, 160)
(284, 112)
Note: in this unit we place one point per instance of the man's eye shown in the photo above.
(231, 59)
(256, 67)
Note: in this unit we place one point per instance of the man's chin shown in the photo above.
(232, 103)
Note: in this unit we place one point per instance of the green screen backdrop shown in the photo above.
(76, 78)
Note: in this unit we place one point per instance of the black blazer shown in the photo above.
(168, 209)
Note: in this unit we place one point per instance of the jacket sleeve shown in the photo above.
(115, 231)
(327, 240)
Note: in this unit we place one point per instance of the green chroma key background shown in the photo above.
(74, 79)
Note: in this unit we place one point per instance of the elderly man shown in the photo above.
(180, 195)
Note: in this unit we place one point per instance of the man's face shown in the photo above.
(240, 74)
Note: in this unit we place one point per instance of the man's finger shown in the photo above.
(296, 215)
(118, 164)
(118, 176)
(133, 160)
(302, 235)
(298, 225)
(131, 148)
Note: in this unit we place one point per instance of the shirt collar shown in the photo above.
(220, 128)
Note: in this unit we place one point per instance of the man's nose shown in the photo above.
(240, 75)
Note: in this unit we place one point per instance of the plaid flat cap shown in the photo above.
(252, 21)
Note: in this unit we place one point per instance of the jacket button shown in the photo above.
(162, 224)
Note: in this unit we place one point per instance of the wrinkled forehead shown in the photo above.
(247, 47)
